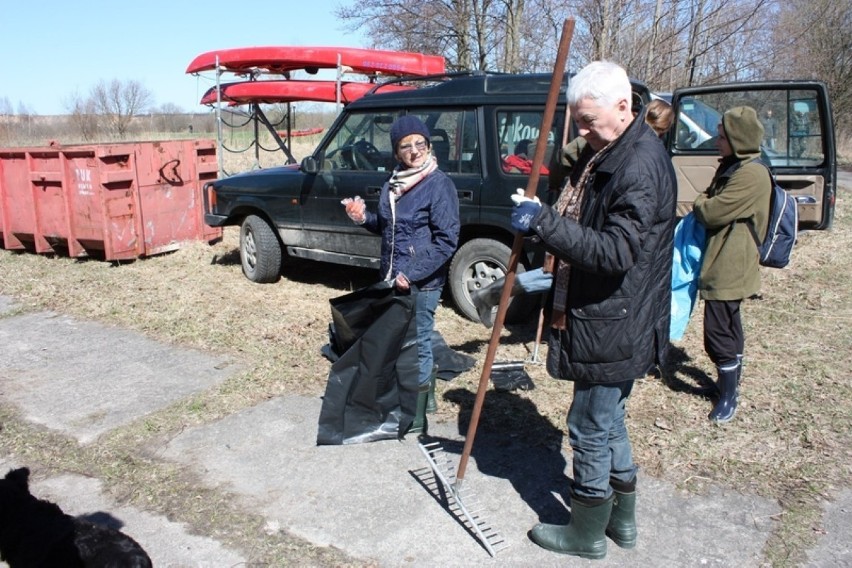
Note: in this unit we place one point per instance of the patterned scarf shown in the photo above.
(403, 180)
(568, 205)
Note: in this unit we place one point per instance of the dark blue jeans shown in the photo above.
(426, 305)
(599, 438)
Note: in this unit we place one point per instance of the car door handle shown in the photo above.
(372, 190)
(806, 199)
(465, 195)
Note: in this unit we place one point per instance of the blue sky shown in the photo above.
(52, 50)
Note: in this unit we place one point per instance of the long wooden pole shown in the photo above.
(518, 244)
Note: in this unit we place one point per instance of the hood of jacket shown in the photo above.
(744, 131)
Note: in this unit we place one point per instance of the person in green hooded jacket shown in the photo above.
(737, 197)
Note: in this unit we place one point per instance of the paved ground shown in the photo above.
(378, 502)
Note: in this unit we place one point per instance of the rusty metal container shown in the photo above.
(109, 201)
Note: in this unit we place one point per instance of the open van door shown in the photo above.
(798, 141)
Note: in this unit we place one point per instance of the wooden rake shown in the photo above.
(458, 503)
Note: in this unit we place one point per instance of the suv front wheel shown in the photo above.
(477, 264)
(260, 251)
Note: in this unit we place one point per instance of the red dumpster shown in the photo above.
(110, 201)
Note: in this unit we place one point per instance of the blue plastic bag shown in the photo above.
(689, 237)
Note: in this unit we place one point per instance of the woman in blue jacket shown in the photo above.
(418, 220)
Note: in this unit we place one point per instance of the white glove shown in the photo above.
(519, 197)
(524, 211)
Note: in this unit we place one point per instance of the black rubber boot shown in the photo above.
(420, 424)
(728, 392)
(431, 403)
(622, 521)
(584, 536)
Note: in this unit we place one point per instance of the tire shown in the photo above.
(260, 250)
(478, 263)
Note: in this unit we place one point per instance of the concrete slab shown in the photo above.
(168, 544)
(366, 499)
(369, 500)
(84, 378)
(834, 549)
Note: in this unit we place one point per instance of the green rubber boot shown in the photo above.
(420, 424)
(431, 402)
(584, 536)
(622, 521)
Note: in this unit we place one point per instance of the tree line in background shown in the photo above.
(110, 107)
(85, 123)
(665, 43)
(111, 110)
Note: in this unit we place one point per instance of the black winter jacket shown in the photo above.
(620, 253)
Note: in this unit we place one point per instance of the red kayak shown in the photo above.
(302, 132)
(280, 59)
(283, 91)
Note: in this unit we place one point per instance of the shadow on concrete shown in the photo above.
(515, 442)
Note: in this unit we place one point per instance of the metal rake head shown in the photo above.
(457, 499)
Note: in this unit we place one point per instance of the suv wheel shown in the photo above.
(260, 251)
(478, 263)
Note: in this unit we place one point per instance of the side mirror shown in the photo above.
(309, 165)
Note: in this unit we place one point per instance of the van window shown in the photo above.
(791, 123)
(362, 143)
(454, 139)
(517, 135)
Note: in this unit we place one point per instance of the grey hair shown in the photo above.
(602, 81)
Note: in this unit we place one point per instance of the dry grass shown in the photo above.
(790, 441)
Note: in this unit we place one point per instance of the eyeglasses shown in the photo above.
(420, 145)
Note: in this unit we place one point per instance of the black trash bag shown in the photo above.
(507, 378)
(450, 363)
(371, 391)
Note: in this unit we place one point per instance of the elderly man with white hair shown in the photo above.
(612, 237)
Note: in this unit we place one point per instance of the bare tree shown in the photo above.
(24, 110)
(119, 102)
(489, 35)
(666, 43)
(5, 120)
(541, 29)
(814, 38)
(170, 118)
(82, 116)
(675, 43)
